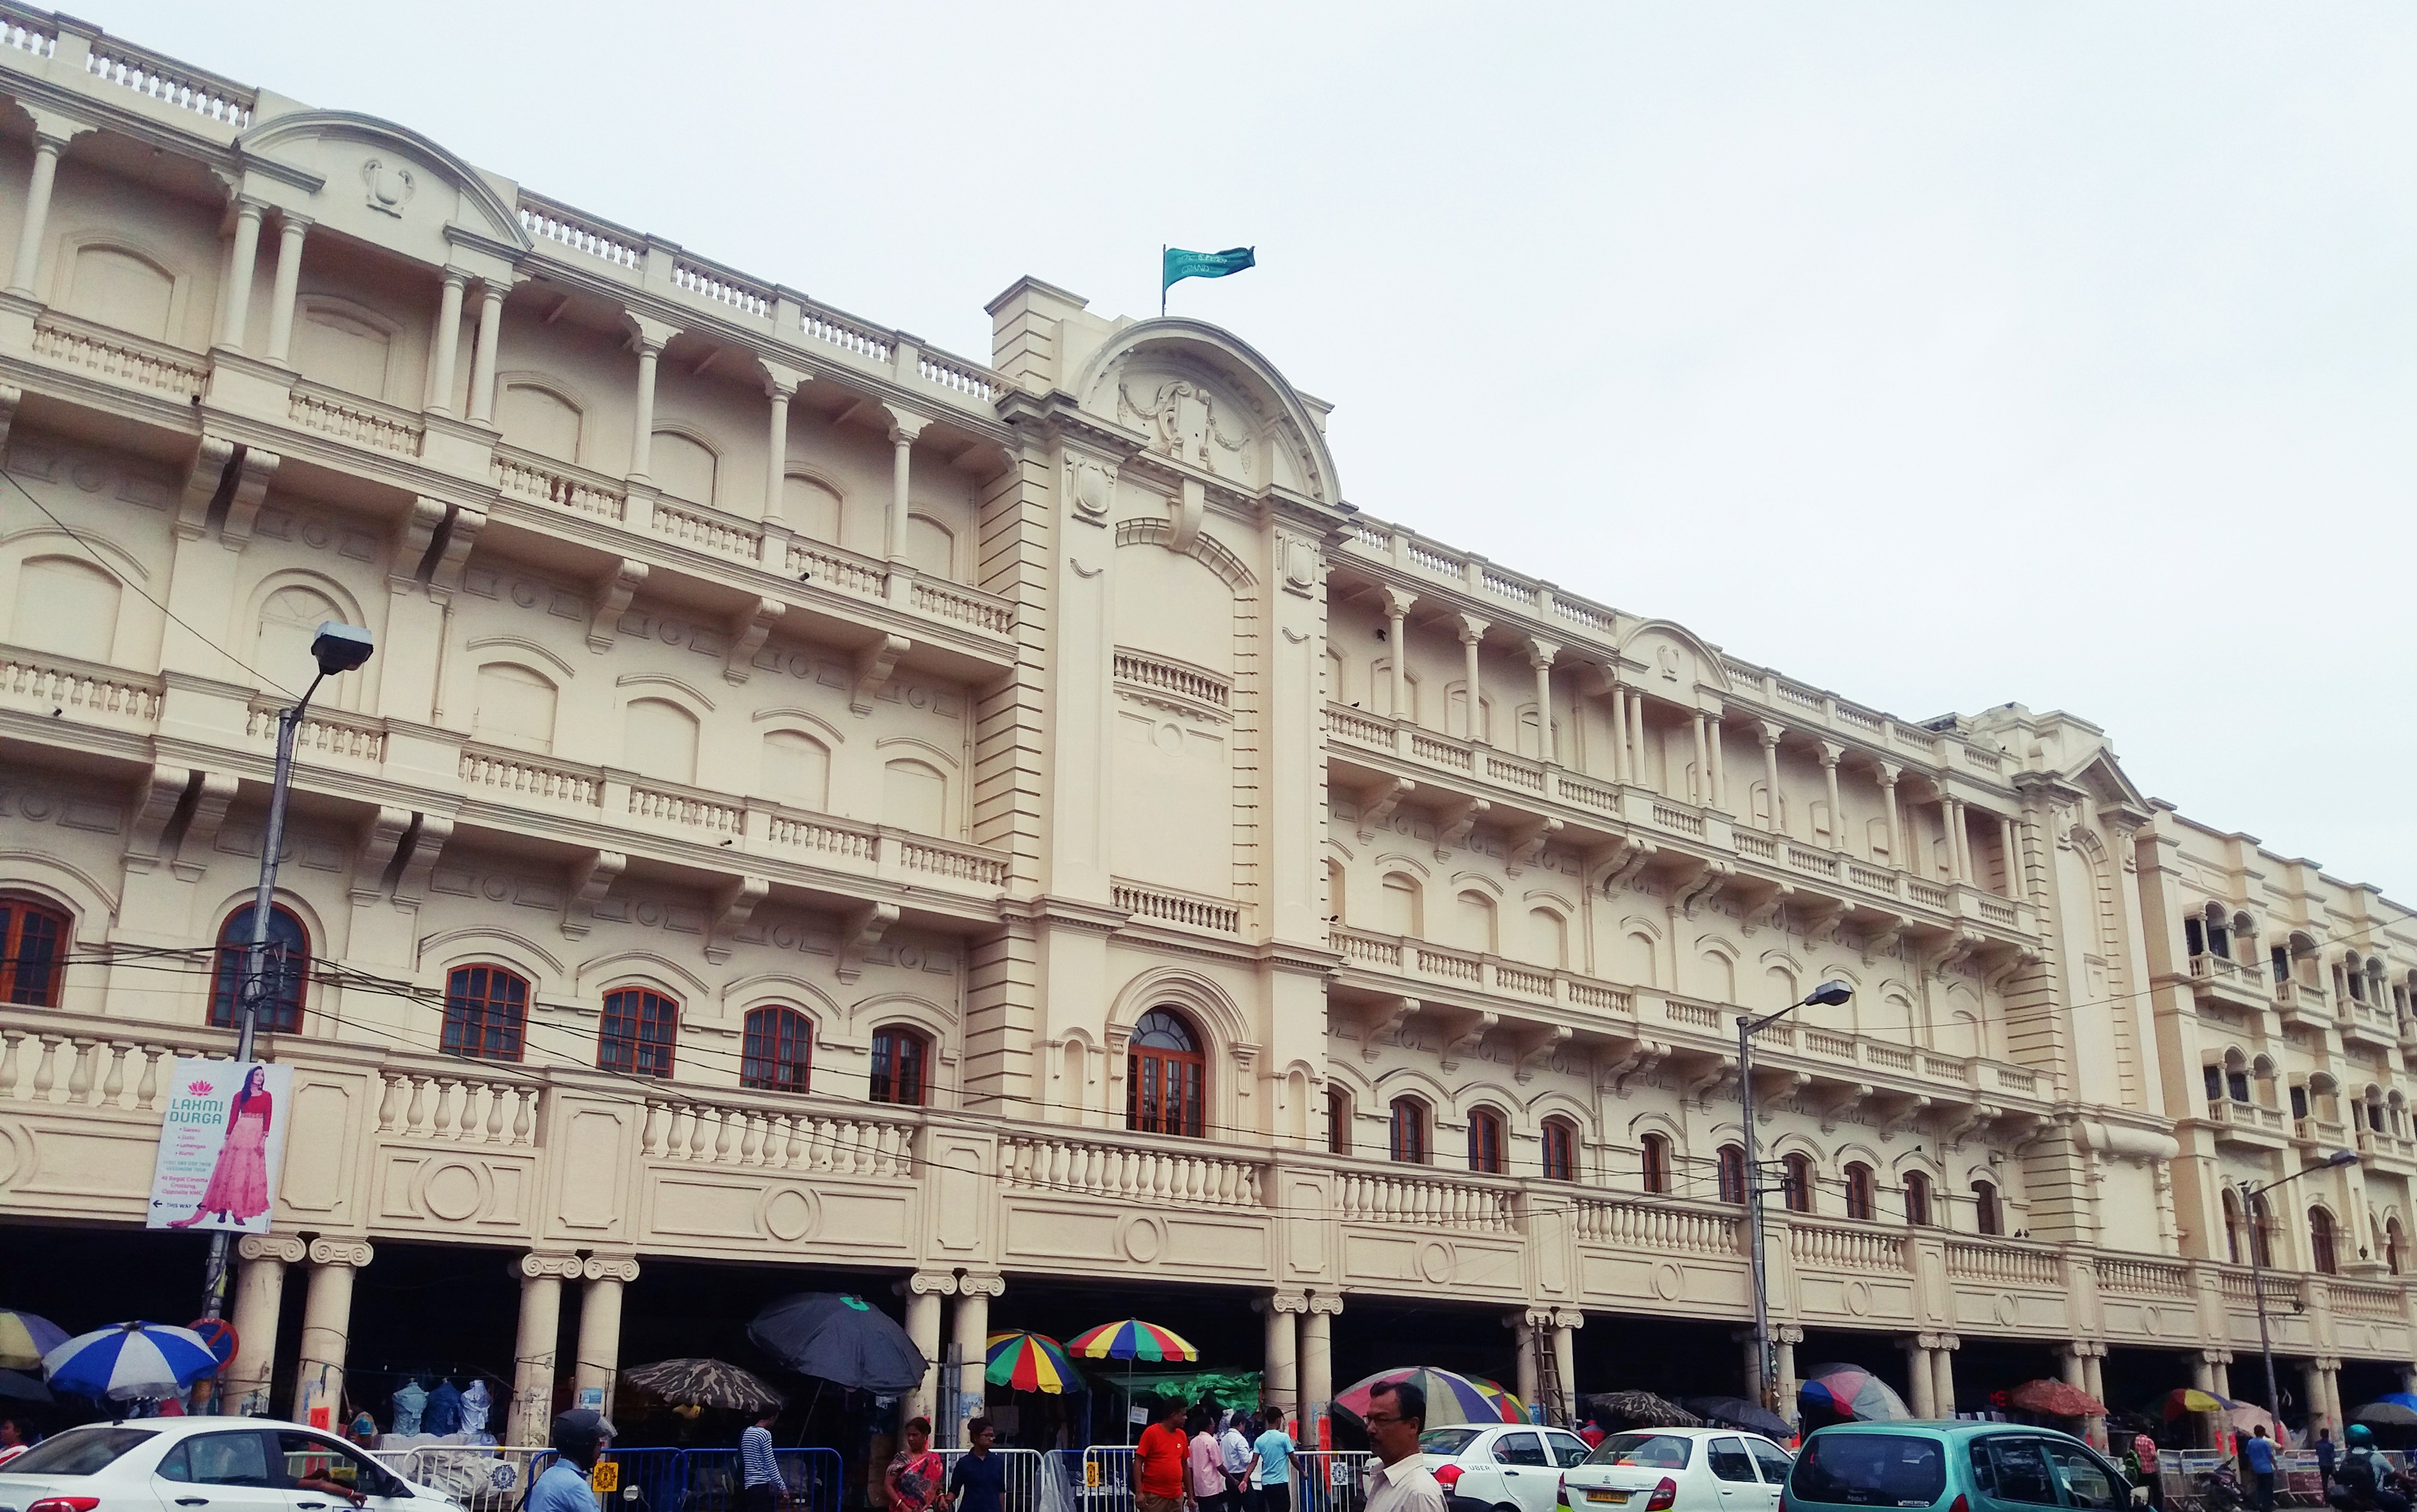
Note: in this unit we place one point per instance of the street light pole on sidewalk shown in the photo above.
(337, 648)
(1829, 994)
(2257, 1268)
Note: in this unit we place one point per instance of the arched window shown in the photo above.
(2232, 1227)
(282, 976)
(2219, 932)
(636, 1036)
(1796, 1183)
(1164, 1069)
(778, 1050)
(1984, 1208)
(1657, 1163)
(1338, 1121)
(1485, 1142)
(902, 1061)
(2261, 1233)
(1732, 1167)
(1862, 1200)
(32, 953)
(1560, 1150)
(1917, 1199)
(1409, 1131)
(2392, 1245)
(2320, 1242)
(486, 1013)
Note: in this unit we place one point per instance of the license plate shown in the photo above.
(1599, 1495)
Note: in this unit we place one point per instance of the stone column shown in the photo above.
(1280, 1387)
(1787, 1337)
(2014, 856)
(1942, 1373)
(776, 470)
(1541, 654)
(483, 362)
(902, 432)
(1889, 775)
(49, 140)
(1620, 759)
(972, 1339)
(2311, 1387)
(1316, 1363)
(448, 342)
(1703, 794)
(1719, 798)
(1472, 630)
(642, 440)
(1397, 607)
(289, 284)
(259, 1296)
(531, 1411)
(1523, 1358)
(2094, 1377)
(1951, 813)
(600, 1324)
(1566, 1324)
(234, 301)
(327, 1325)
(1830, 752)
(1752, 1359)
(923, 1291)
(1770, 733)
(1921, 1375)
(1636, 737)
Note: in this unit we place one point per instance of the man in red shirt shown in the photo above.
(1160, 1459)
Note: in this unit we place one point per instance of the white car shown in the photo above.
(1679, 1470)
(1507, 1466)
(223, 1464)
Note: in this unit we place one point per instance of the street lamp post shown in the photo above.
(1829, 994)
(337, 648)
(2258, 1267)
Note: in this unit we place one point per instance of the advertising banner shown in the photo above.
(221, 1145)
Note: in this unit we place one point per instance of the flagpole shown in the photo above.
(1162, 281)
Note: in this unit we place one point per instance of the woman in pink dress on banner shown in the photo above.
(238, 1189)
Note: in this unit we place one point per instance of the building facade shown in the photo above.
(821, 804)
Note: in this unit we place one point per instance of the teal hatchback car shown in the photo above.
(1955, 1467)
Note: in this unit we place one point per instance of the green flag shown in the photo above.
(1175, 264)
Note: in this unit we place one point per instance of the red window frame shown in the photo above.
(639, 1033)
(1987, 1216)
(486, 1013)
(1338, 1121)
(1862, 1196)
(902, 1061)
(1560, 1150)
(1165, 1084)
(1485, 1139)
(288, 970)
(1732, 1170)
(1796, 1183)
(1657, 1164)
(1407, 1137)
(2323, 1252)
(32, 952)
(1916, 1200)
(777, 1052)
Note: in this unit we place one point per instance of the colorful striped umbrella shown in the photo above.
(1132, 1339)
(24, 1338)
(1852, 1391)
(1452, 1398)
(2184, 1400)
(1028, 1362)
(129, 1362)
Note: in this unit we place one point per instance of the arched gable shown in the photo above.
(377, 173)
(1133, 378)
(1209, 1004)
(1669, 660)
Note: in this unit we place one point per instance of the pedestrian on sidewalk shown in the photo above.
(14, 1439)
(2258, 1453)
(1161, 1459)
(917, 1473)
(1208, 1465)
(1234, 1452)
(1396, 1415)
(579, 1438)
(978, 1484)
(759, 1474)
(2326, 1454)
(1271, 1461)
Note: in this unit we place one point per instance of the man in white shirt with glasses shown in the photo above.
(1396, 1415)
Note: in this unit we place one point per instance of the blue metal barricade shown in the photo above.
(708, 1480)
(640, 1480)
(1106, 1481)
(1329, 1480)
(1024, 1471)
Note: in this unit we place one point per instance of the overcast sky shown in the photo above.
(1938, 354)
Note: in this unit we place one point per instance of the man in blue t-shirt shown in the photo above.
(579, 1438)
(1271, 1457)
(2258, 1453)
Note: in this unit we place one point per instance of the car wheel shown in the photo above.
(1506, 1507)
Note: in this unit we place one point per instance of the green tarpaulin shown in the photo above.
(1228, 1388)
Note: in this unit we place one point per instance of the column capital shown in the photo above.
(287, 1247)
(929, 1283)
(1831, 752)
(1541, 652)
(974, 1285)
(459, 277)
(610, 1268)
(1790, 1334)
(1769, 731)
(293, 222)
(1325, 1303)
(1472, 630)
(904, 425)
(251, 207)
(353, 1252)
(54, 129)
(1890, 772)
(647, 335)
(1398, 601)
(1569, 1318)
(537, 1264)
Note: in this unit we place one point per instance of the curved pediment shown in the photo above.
(1672, 662)
(381, 179)
(1206, 399)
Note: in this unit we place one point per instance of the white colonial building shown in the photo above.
(827, 810)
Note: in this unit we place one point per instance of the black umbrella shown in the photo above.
(20, 1387)
(842, 1339)
(1736, 1411)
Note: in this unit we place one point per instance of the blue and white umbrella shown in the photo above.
(129, 1362)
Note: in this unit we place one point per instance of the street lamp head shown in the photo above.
(1829, 994)
(2339, 1158)
(340, 647)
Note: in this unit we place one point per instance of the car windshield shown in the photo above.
(1869, 1470)
(1649, 1451)
(79, 1451)
(1447, 1439)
